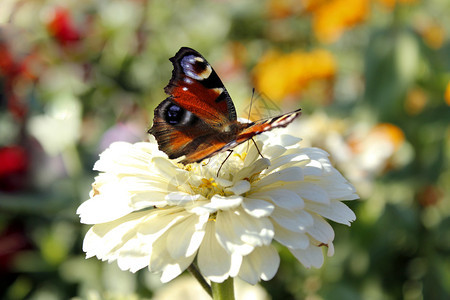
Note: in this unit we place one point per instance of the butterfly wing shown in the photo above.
(198, 118)
(248, 130)
(261, 126)
(181, 133)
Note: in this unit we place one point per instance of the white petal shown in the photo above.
(180, 198)
(148, 199)
(161, 261)
(143, 184)
(213, 261)
(201, 207)
(252, 156)
(240, 187)
(101, 239)
(159, 221)
(310, 257)
(254, 168)
(123, 158)
(110, 155)
(285, 140)
(288, 174)
(257, 208)
(282, 198)
(335, 211)
(321, 230)
(311, 191)
(93, 210)
(337, 186)
(223, 182)
(159, 256)
(262, 263)
(133, 255)
(330, 251)
(315, 153)
(274, 151)
(296, 221)
(165, 167)
(291, 157)
(288, 140)
(172, 270)
(226, 202)
(184, 238)
(239, 233)
(291, 239)
(313, 168)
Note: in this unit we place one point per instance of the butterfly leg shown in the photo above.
(229, 154)
(257, 148)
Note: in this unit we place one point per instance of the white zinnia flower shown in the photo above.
(150, 211)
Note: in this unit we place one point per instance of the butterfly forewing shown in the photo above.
(196, 87)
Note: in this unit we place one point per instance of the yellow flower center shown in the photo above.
(208, 188)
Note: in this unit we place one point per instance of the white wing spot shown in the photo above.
(218, 90)
(205, 74)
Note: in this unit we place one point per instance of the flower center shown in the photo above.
(208, 188)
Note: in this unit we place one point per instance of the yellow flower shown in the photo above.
(330, 17)
(280, 75)
(333, 17)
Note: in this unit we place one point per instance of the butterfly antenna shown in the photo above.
(250, 110)
(229, 154)
(251, 103)
(257, 148)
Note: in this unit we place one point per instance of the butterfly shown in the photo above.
(198, 119)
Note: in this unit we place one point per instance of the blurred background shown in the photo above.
(372, 78)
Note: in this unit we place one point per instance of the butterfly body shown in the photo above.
(198, 119)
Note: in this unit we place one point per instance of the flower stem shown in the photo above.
(224, 290)
(194, 271)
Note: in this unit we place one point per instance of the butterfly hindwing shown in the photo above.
(179, 132)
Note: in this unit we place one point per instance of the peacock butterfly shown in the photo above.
(198, 119)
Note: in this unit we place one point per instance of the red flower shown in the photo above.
(13, 167)
(61, 27)
(12, 71)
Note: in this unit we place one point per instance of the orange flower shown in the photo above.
(383, 133)
(447, 94)
(433, 35)
(416, 100)
(389, 132)
(332, 18)
(279, 75)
